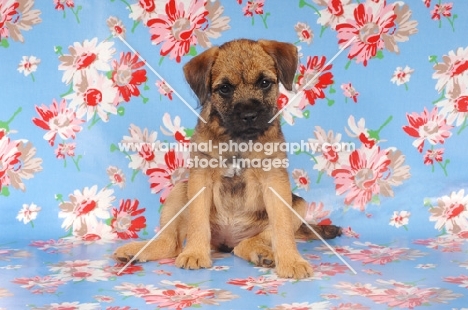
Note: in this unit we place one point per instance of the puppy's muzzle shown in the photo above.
(249, 117)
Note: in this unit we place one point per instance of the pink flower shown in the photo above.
(9, 157)
(65, 149)
(116, 26)
(28, 65)
(8, 9)
(427, 3)
(116, 176)
(253, 6)
(163, 178)
(433, 155)
(164, 89)
(128, 74)
(40, 285)
(349, 91)
(372, 20)
(311, 82)
(429, 126)
(349, 232)
(28, 213)
(60, 4)
(58, 119)
(360, 176)
(126, 221)
(175, 29)
(441, 10)
(143, 10)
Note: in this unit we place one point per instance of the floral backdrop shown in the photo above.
(88, 88)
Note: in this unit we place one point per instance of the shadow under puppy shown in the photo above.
(237, 84)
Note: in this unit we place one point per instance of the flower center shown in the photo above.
(310, 79)
(123, 77)
(148, 5)
(85, 60)
(364, 179)
(303, 180)
(181, 29)
(118, 29)
(86, 206)
(370, 33)
(430, 128)
(335, 7)
(282, 101)
(118, 178)
(455, 211)
(123, 222)
(462, 104)
(305, 34)
(93, 97)
(459, 67)
(147, 153)
(179, 174)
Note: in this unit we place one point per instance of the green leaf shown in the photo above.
(306, 114)
(330, 102)
(375, 200)
(189, 132)
(121, 111)
(379, 55)
(4, 43)
(5, 192)
(302, 3)
(193, 51)
(113, 147)
(59, 197)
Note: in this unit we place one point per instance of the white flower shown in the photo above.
(28, 65)
(401, 76)
(400, 218)
(28, 213)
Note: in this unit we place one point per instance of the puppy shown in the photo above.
(237, 84)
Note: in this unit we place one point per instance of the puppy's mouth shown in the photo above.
(248, 121)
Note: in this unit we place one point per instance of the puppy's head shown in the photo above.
(238, 82)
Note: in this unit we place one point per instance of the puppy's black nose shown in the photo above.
(249, 117)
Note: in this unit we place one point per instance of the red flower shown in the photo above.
(126, 222)
(313, 79)
(441, 9)
(128, 75)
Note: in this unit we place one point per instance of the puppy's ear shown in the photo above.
(285, 56)
(198, 73)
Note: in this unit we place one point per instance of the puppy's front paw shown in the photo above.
(126, 252)
(193, 260)
(294, 268)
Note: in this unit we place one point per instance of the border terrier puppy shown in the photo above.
(237, 84)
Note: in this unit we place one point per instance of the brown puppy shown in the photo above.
(237, 84)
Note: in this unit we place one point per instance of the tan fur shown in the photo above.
(238, 211)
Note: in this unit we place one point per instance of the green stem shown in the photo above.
(94, 121)
(128, 5)
(313, 8)
(32, 76)
(442, 97)
(264, 18)
(76, 13)
(75, 161)
(322, 30)
(444, 166)
(451, 21)
(319, 177)
(135, 24)
(348, 64)
(406, 86)
(68, 92)
(463, 126)
(134, 174)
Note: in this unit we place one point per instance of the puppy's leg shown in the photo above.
(289, 263)
(257, 249)
(196, 253)
(169, 242)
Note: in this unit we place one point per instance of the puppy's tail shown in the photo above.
(325, 231)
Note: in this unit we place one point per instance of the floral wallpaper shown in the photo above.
(90, 88)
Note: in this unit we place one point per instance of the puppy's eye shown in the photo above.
(265, 84)
(225, 89)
